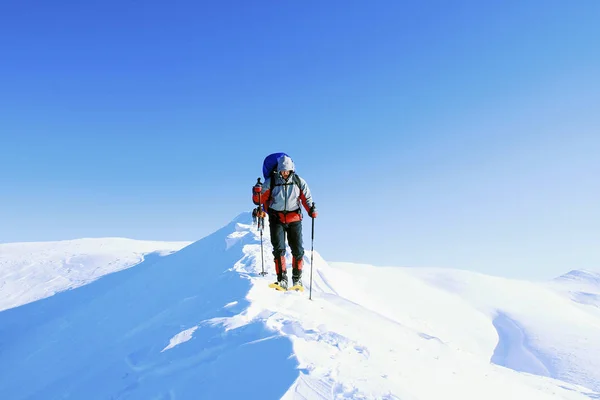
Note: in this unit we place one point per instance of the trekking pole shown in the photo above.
(262, 259)
(312, 252)
(261, 224)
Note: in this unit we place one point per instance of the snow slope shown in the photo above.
(540, 330)
(202, 323)
(34, 270)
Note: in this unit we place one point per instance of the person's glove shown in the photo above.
(256, 190)
(313, 211)
(258, 187)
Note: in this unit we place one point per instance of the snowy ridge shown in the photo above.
(34, 270)
(183, 326)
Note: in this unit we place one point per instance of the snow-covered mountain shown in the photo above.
(34, 270)
(201, 323)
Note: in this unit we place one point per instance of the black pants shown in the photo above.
(294, 236)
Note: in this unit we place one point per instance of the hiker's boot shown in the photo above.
(283, 282)
(281, 272)
(297, 271)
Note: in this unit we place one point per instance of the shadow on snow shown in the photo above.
(513, 350)
(105, 340)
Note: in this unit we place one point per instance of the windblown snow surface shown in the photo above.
(35, 270)
(202, 323)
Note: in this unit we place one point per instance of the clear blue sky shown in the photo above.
(453, 134)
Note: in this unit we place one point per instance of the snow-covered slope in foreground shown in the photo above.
(202, 324)
(34, 270)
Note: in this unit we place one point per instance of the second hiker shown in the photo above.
(254, 215)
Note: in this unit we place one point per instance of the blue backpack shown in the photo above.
(270, 167)
(270, 164)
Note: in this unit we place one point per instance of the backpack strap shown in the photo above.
(272, 181)
(295, 180)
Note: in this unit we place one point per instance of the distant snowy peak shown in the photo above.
(581, 276)
(581, 286)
